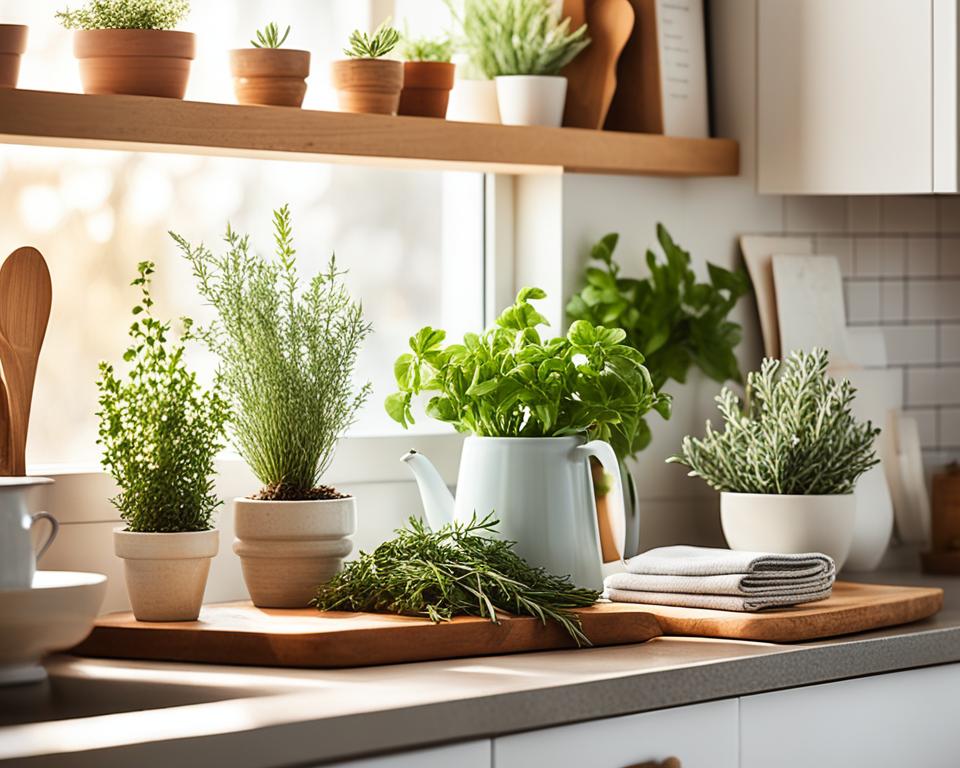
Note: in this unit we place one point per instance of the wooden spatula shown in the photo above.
(25, 298)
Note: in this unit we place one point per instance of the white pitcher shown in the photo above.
(18, 561)
(540, 490)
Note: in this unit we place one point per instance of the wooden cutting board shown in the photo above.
(239, 633)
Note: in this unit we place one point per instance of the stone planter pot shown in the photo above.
(531, 99)
(426, 88)
(369, 86)
(789, 524)
(270, 76)
(139, 62)
(166, 573)
(474, 101)
(288, 548)
(13, 42)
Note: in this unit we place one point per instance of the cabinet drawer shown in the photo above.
(888, 721)
(472, 754)
(701, 736)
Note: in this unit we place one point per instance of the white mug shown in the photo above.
(18, 560)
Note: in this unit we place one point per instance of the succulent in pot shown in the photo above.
(427, 77)
(268, 74)
(13, 42)
(130, 46)
(365, 81)
(786, 462)
(287, 355)
(160, 432)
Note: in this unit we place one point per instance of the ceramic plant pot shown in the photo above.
(139, 62)
(288, 548)
(13, 42)
(474, 101)
(369, 86)
(426, 88)
(531, 99)
(270, 76)
(789, 524)
(166, 573)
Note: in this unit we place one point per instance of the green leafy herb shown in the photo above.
(286, 357)
(456, 571)
(270, 37)
(426, 49)
(796, 435)
(159, 430)
(126, 14)
(508, 382)
(363, 46)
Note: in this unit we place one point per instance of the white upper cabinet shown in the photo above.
(857, 96)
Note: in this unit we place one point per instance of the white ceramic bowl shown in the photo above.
(55, 614)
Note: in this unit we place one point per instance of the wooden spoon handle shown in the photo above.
(17, 404)
(6, 465)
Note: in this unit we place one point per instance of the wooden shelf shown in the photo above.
(151, 124)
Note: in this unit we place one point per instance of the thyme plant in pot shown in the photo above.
(786, 462)
(131, 47)
(365, 81)
(160, 432)
(268, 74)
(427, 76)
(13, 42)
(535, 411)
(287, 354)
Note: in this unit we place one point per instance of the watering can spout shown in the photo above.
(436, 497)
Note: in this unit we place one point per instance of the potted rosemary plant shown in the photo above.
(365, 81)
(160, 432)
(13, 42)
(287, 354)
(786, 463)
(268, 74)
(427, 76)
(130, 46)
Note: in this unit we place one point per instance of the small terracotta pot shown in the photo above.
(426, 88)
(138, 62)
(369, 86)
(13, 42)
(270, 76)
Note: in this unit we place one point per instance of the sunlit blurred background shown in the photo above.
(411, 240)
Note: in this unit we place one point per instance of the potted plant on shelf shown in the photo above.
(787, 462)
(365, 81)
(474, 95)
(286, 362)
(268, 74)
(427, 76)
(160, 432)
(13, 42)
(130, 46)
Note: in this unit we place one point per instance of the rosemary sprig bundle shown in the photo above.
(456, 571)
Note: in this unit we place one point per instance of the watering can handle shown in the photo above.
(602, 451)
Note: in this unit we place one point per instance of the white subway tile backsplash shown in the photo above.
(863, 213)
(866, 256)
(863, 302)
(893, 252)
(948, 214)
(923, 300)
(807, 213)
(839, 247)
(950, 343)
(933, 386)
(949, 260)
(949, 299)
(916, 213)
(922, 256)
(892, 297)
(911, 344)
(926, 419)
(949, 428)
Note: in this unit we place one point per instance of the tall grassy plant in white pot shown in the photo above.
(160, 431)
(787, 461)
(287, 353)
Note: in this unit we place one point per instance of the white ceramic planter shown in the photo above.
(474, 101)
(531, 99)
(288, 548)
(788, 524)
(166, 573)
(874, 521)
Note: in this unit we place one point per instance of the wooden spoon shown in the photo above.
(25, 298)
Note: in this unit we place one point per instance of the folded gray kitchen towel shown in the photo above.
(722, 579)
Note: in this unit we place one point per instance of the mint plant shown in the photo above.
(426, 49)
(363, 46)
(270, 37)
(126, 14)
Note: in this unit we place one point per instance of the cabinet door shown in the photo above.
(472, 754)
(701, 736)
(845, 96)
(887, 721)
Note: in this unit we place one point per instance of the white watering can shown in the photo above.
(540, 490)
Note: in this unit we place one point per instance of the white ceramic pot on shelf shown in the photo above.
(473, 101)
(531, 99)
(789, 524)
(288, 548)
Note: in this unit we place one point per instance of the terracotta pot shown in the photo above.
(270, 76)
(288, 548)
(369, 86)
(426, 88)
(166, 573)
(139, 62)
(13, 42)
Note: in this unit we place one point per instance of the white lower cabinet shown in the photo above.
(888, 721)
(472, 754)
(701, 736)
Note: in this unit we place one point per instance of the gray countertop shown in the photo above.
(96, 712)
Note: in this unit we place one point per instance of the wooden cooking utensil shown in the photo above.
(25, 297)
(6, 467)
(592, 76)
